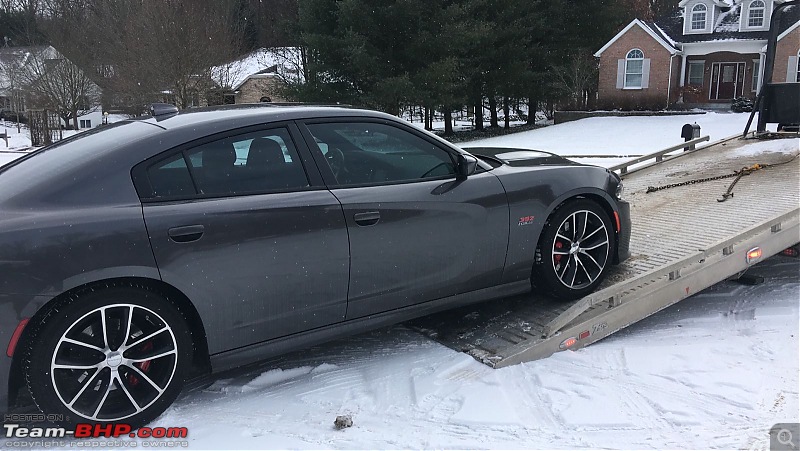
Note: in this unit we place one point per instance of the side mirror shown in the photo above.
(466, 165)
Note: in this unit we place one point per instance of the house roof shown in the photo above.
(659, 37)
(790, 28)
(234, 73)
(17, 57)
(261, 63)
(726, 26)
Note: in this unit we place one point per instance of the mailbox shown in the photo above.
(690, 131)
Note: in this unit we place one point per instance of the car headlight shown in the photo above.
(620, 189)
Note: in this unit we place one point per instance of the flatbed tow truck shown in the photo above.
(684, 239)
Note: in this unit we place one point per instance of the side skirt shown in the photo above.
(261, 351)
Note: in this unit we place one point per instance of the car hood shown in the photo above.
(520, 157)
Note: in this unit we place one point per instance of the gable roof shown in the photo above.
(19, 57)
(790, 28)
(234, 73)
(280, 62)
(726, 26)
(653, 33)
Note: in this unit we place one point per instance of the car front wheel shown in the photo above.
(575, 250)
(113, 354)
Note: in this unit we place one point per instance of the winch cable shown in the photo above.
(737, 174)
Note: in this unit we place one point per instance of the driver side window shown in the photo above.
(363, 153)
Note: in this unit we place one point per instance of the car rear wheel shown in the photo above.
(116, 354)
(575, 250)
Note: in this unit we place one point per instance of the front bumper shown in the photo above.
(624, 234)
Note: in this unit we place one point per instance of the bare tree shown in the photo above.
(12, 82)
(291, 62)
(577, 79)
(53, 82)
(140, 51)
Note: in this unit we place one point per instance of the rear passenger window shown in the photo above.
(171, 178)
(256, 162)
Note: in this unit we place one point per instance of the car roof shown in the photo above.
(242, 115)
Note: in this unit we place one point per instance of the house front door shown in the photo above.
(727, 81)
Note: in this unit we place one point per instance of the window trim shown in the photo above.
(628, 58)
(756, 75)
(797, 80)
(697, 11)
(751, 8)
(141, 180)
(689, 72)
(327, 174)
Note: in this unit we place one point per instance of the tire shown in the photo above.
(588, 252)
(129, 374)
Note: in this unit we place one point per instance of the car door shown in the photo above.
(238, 226)
(417, 233)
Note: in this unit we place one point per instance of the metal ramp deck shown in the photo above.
(683, 241)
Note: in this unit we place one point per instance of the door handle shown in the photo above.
(186, 234)
(367, 218)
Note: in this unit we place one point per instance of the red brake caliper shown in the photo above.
(557, 257)
(144, 366)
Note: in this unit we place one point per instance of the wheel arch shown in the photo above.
(201, 363)
(598, 196)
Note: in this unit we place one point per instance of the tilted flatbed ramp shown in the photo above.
(683, 241)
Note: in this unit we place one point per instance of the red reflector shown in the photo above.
(12, 344)
(584, 334)
(791, 252)
(753, 254)
(616, 217)
(569, 342)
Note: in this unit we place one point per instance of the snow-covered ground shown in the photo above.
(19, 142)
(714, 371)
(621, 137)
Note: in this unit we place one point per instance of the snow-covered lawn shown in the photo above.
(715, 371)
(618, 136)
(19, 143)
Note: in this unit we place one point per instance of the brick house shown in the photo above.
(259, 76)
(706, 52)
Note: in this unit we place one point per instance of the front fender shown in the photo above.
(534, 194)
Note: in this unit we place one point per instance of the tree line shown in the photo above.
(445, 55)
(398, 56)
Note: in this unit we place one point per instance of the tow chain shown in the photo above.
(729, 192)
(745, 171)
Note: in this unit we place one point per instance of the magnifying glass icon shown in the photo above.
(785, 438)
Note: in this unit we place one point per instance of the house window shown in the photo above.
(696, 71)
(85, 123)
(756, 70)
(699, 17)
(798, 67)
(755, 16)
(634, 63)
